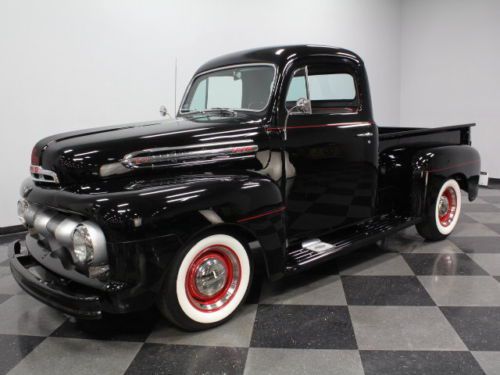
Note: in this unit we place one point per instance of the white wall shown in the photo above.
(451, 71)
(71, 64)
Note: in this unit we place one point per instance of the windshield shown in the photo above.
(242, 88)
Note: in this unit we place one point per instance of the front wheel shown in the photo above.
(206, 282)
(442, 213)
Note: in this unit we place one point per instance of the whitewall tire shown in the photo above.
(206, 282)
(443, 212)
(448, 207)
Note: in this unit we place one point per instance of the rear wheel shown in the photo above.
(442, 213)
(206, 282)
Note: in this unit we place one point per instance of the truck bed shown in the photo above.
(446, 135)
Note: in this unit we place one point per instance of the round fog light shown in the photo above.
(83, 248)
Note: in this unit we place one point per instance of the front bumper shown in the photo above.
(67, 295)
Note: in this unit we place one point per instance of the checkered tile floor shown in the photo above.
(404, 307)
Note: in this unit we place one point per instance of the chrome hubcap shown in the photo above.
(447, 207)
(443, 205)
(211, 277)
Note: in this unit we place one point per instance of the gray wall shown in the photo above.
(72, 64)
(450, 70)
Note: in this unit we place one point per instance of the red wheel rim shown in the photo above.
(213, 278)
(447, 206)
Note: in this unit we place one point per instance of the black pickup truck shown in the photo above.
(273, 161)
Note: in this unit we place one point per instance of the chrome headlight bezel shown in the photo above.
(83, 239)
(83, 245)
(26, 212)
(22, 208)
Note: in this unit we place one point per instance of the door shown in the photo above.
(332, 146)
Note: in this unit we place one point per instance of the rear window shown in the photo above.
(335, 86)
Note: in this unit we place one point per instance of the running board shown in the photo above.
(316, 250)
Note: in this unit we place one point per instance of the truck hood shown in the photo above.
(150, 147)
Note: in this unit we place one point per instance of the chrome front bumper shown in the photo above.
(70, 296)
(52, 289)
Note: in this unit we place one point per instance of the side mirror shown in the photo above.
(303, 105)
(164, 111)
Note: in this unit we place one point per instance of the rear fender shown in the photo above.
(433, 166)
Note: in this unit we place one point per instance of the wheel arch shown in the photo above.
(249, 239)
(435, 165)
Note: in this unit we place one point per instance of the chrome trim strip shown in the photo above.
(179, 112)
(42, 173)
(135, 160)
(187, 147)
(209, 161)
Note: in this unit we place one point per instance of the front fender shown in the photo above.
(129, 209)
(146, 210)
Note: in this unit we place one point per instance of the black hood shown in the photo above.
(151, 147)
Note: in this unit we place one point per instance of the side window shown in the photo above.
(297, 89)
(329, 88)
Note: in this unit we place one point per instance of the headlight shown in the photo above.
(22, 207)
(83, 249)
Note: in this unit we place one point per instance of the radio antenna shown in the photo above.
(175, 88)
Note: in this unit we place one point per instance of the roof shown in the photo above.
(277, 55)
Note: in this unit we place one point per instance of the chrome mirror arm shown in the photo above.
(164, 111)
(303, 106)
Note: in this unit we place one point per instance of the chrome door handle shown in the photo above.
(367, 134)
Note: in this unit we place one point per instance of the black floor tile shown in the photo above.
(180, 359)
(385, 290)
(478, 327)
(4, 297)
(13, 348)
(443, 264)
(419, 363)
(497, 278)
(327, 268)
(480, 207)
(129, 327)
(305, 327)
(360, 256)
(477, 244)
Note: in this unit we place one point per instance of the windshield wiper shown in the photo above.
(220, 110)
